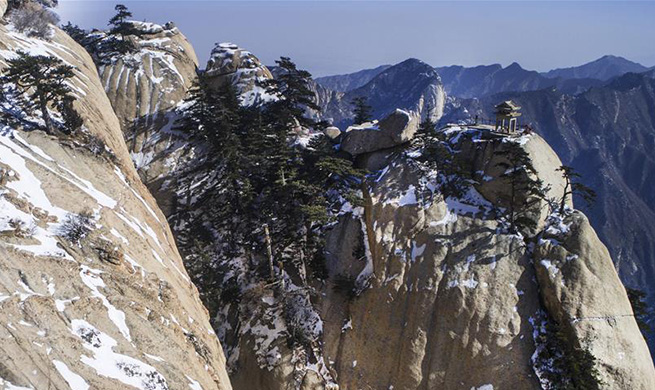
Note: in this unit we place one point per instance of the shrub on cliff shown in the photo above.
(34, 20)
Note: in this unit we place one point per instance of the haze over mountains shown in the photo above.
(482, 80)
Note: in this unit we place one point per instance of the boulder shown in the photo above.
(397, 128)
(3, 7)
(332, 132)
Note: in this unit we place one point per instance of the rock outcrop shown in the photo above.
(448, 298)
(229, 63)
(581, 290)
(112, 308)
(397, 128)
(606, 135)
(144, 87)
(148, 82)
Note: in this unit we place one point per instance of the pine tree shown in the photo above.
(74, 31)
(573, 187)
(72, 119)
(362, 110)
(118, 20)
(525, 189)
(43, 78)
(198, 109)
(641, 310)
(427, 126)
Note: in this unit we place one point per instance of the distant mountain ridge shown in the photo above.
(604, 68)
(484, 80)
(350, 81)
(411, 85)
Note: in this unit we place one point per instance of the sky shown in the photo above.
(336, 37)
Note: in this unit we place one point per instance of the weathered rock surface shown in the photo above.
(607, 134)
(117, 311)
(581, 289)
(449, 298)
(144, 84)
(3, 7)
(144, 87)
(397, 128)
(231, 64)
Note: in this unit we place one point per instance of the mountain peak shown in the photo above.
(603, 68)
(514, 66)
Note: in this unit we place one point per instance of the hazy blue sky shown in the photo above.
(329, 37)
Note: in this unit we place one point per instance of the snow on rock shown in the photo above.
(91, 278)
(75, 381)
(112, 279)
(108, 363)
(228, 63)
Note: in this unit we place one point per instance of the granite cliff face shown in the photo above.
(115, 309)
(444, 295)
(447, 297)
(144, 87)
(606, 134)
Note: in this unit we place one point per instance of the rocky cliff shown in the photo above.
(144, 86)
(442, 295)
(606, 134)
(426, 286)
(114, 307)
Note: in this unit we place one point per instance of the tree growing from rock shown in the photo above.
(362, 111)
(525, 188)
(118, 21)
(43, 79)
(573, 187)
(74, 31)
(427, 126)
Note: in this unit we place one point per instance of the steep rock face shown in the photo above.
(606, 134)
(153, 79)
(144, 88)
(581, 289)
(447, 297)
(116, 311)
(411, 85)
